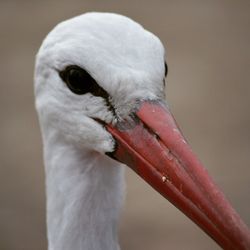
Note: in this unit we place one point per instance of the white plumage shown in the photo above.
(84, 187)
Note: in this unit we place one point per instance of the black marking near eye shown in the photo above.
(166, 72)
(80, 82)
(166, 69)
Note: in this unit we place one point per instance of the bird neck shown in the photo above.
(84, 198)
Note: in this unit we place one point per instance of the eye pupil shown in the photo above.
(74, 78)
(77, 79)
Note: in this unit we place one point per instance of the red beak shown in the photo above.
(152, 145)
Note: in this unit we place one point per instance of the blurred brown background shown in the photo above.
(208, 88)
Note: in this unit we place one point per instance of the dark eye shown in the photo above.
(78, 80)
(166, 69)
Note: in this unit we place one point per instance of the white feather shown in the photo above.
(84, 187)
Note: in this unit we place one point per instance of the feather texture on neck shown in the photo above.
(84, 197)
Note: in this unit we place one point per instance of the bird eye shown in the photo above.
(77, 79)
(166, 69)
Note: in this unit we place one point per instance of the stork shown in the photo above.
(99, 89)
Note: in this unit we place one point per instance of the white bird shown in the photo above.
(99, 87)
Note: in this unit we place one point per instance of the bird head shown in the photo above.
(96, 67)
(99, 85)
